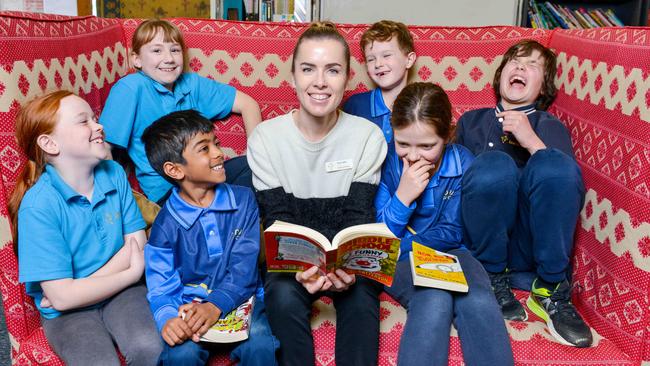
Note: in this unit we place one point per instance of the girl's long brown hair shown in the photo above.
(37, 117)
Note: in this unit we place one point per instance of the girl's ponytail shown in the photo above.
(36, 118)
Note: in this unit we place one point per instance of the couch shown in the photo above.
(603, 77)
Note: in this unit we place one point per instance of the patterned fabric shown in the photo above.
(604, 99)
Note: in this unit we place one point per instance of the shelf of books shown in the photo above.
(585, 14)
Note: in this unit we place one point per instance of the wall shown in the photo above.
(423, 12)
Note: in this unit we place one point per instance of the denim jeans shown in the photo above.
(430, 312)
(258, 350)
(523, 219)
(86, 337)
(357, 320)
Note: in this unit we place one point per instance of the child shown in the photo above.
(319, 167)
(204, 245)
(419, 200)
(80, 237)
(388, 49)
(523, 194)
(159, 87)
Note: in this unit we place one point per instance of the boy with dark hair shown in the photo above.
(204, 245)
(523, 193)
(387, 47)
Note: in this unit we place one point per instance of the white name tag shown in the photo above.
(335, 166)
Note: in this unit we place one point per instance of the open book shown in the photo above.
(431, 268)
(234, 327)
(369, 250)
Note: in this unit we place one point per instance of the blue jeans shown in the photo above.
(357, 320)
(476, 314)
(523, 219)
(258, 350)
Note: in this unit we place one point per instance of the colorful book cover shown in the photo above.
(432, 268)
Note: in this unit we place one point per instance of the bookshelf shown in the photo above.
(630, 12)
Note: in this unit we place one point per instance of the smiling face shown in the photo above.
(320, 78)
(79, 137)
(160, 60)
(521, 80)
(419, 141)
(387, 64)
(204, 160)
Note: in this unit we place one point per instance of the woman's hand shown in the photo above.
(312, 281)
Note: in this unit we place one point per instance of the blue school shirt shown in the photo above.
(480, 131)
(208, 254)
(370, 105)
(433, 219)
(136, 101)
(63, 235)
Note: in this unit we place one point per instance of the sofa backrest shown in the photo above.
(604, 99)
(256, 58)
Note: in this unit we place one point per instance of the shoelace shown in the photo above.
(561, 299)
(501, 285)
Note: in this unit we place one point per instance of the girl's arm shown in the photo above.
(249, 110)
(67, 293)
(120, 261)
(390, 210)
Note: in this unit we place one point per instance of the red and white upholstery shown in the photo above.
(604, 99)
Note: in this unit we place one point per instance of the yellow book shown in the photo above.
(431, 268)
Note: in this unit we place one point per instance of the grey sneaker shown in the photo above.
(555, 307)
(511, 308)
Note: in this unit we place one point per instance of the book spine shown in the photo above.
(532, 17)
(597, 19)
(613, 18)
(548, 17)
(568, 15)
(538, 14)
(556, 15)
(585, 24)
(588, 18)
(603, 18)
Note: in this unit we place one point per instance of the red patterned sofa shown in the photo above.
(604, 99)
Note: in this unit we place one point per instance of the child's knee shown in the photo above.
(259, 349)
(187, 354)
(144, 351)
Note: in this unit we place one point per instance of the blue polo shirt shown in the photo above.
(433, 219)
(63, 235)
(370, 105)
(136, 101)
(203, 253)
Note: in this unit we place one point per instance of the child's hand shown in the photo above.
(136, 260)
(45, 302)
(176, 331)
(200, 317)
(312, 281)
(517, 123)
(341, 280)
(413, 181)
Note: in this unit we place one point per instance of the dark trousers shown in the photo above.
(357, 320)
(523, 219)
(430, 312)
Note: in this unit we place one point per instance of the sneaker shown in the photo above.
(511, 308)
(562, 319)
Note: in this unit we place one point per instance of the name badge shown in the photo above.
(335, 166)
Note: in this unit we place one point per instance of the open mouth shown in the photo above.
(517, 81)
(381, 74)
(218, 167)
(98, 140)
(319, 96)
(167, 69)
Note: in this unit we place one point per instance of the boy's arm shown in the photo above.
(249, 110)
(165, 289)
(240, 278)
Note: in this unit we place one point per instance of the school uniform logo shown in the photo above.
(448, 194)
